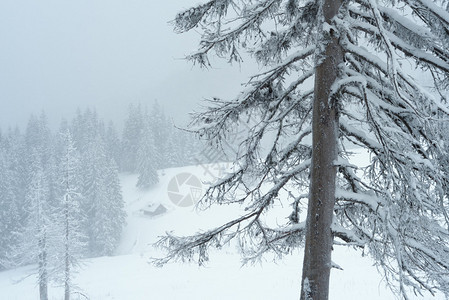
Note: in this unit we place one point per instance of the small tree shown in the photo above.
(321, 92)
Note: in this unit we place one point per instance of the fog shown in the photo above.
(56, 56)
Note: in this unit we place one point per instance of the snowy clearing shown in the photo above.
(130, 276)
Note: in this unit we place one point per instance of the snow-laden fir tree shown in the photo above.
(73, 241)
(174, 145)
(10, 216)
(160, 129)
(37, 236)
(101, 204)
(132, 134)
(38, 137)
(112, 141)
(13, 184)
(102, 199)
(85, 128)
(113, 214)
(38, 159)
(147, 158)
(336, 75)
(37, 243)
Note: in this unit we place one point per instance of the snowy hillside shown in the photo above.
(129, 276)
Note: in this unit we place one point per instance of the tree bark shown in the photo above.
(318, 247)
(43, 276)
(67, 250)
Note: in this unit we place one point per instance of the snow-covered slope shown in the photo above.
(129, 276)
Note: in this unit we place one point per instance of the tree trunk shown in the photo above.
(43, 276)
(318, 247)
(67, 250)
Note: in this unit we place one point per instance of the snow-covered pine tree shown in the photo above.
(113, 143)
(172, 149)
(337, 75)
(93, 159)
(35, 246)
(38, 138)
(132, 134)
(85, 128)
(114, 215)
(37, 237)
(11, 218)
(77, 128)
(70, 217)
(101, 203)
(147, 158)
(102, 200)
(16, 189)
(160, 130)
(6, 203)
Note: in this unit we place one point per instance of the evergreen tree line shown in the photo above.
(151, 142)
(60, 195)
(50, 181)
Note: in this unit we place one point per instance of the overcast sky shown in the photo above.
(59, 55)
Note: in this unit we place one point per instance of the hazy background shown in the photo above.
(57, 55)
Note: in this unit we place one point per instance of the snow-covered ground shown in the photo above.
(129, 276)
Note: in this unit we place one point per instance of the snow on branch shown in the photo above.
(344, 82)
(373, 202)
(184, 248)
(246, 228)
(405, 47)
(218, 35)
(360, 135)
(349, 236)
(191, 17)
(429, 6)
(437, 257)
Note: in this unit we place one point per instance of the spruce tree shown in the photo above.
(102, 200)
(132, 135)
(70, 217)
(11, 222)
(147, 159)
(159, 128)
(37, 242)
(113, 143)
(114, 210)
(320, 93)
